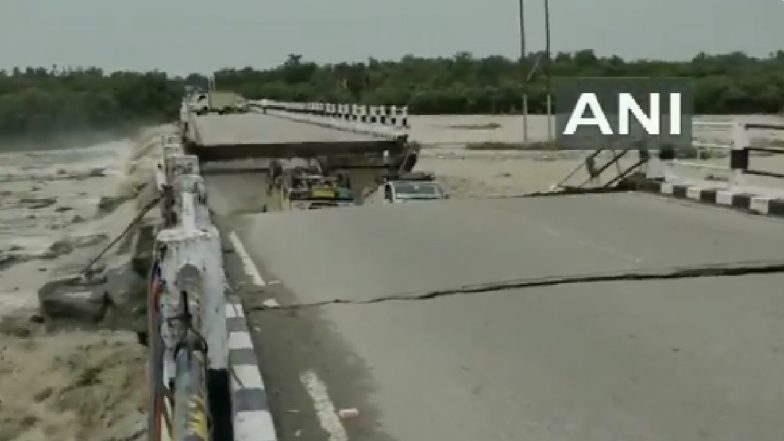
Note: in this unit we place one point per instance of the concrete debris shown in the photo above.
(73, 300)
(7, 259)
(15, 328)
(349, 413)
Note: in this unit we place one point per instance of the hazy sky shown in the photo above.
(180, 36)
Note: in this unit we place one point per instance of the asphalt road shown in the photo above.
(689, 359)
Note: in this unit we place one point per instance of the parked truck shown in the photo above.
(221, 102)
(308, 189)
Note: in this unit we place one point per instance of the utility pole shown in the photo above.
(523, 64)
(547, 69)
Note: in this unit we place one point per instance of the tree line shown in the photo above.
(41, 102)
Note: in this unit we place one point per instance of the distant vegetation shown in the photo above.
(40, 102)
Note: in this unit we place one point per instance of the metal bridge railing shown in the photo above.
(389, 122)
(732, 139)
(671, 163)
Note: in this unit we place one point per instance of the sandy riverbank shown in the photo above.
(480, 173)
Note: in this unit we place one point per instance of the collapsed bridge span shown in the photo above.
(287, 132)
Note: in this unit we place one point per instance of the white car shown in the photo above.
(414, 187)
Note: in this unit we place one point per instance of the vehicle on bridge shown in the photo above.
(407, 187)
(307, 188)
(221, 102)
(318, 197)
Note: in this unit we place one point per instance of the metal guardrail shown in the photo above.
(387, 114)
(663, 165)
(739, 150)
(390, 122)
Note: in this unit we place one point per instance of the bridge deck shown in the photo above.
(669, 359)
(258, 128)
(257, 135)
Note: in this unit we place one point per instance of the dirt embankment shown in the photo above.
(63, 380)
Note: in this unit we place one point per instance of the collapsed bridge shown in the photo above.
(589, 317)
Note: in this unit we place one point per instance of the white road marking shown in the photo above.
(760, 204)
(246, 376)
(254, 426)
(693, 193)
(234, 310)
(247, 262)
(723, 197)
(165, 435)
(594, 245)
(325, 410)
(240, 340)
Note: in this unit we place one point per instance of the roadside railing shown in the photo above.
(739, 149)
(721, 156)
(382, 121)
(187, 331)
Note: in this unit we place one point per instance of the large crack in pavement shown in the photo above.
(732, 269)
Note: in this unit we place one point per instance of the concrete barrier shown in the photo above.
(188, 239)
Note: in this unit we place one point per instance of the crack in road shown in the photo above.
(684, 272)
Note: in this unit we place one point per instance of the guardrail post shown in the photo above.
(382, 115)
(739, 154)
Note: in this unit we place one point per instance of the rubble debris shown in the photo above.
(73, 300)
(37, 318)
(97, 172)
(42, 395)
(37, 203)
